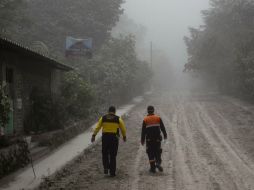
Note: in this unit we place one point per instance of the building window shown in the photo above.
(9, 75)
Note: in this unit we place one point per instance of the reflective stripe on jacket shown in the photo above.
(152, 121)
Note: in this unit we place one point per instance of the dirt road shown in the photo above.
(210, 147)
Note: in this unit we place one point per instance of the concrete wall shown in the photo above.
(56, 76)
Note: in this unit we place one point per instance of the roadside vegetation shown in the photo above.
(222, 50)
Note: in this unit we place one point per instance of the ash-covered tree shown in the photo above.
(223, 47)
(51, 21)
(117, 72)
(10, 12)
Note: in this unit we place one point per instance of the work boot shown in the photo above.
(152, 167)
(152, 170)
(106, 171)
(159, 168)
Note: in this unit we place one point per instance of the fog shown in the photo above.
(167, 22)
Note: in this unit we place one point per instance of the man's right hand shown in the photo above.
(93, 138)
(124, 139)
(142, 143)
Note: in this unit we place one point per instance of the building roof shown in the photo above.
(14, 46)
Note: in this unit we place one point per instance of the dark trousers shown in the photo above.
(109, 151)
(154, 151)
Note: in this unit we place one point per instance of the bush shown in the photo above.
(5, 107)
(14, 158)
(77, 96)
(48, 114)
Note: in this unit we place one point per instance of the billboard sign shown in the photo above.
(79, 47)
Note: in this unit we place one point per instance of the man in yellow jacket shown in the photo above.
(110, 125)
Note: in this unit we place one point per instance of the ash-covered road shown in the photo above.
(210, 147)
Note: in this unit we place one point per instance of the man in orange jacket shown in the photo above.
(151, 133)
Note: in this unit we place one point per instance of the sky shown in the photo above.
(167, 22)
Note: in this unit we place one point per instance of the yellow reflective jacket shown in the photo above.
(110, 123)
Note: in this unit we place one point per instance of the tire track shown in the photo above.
(189, 171)
(240, 173)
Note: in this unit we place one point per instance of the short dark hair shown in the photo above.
(112, 109)
(150, 109)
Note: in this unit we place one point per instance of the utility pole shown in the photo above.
(151, 55)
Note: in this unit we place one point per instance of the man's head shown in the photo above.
(112, 109)
(150, 110)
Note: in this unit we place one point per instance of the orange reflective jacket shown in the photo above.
(152, 121)
(152, 127)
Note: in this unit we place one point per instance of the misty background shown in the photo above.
(164, 24)
(167, 22)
